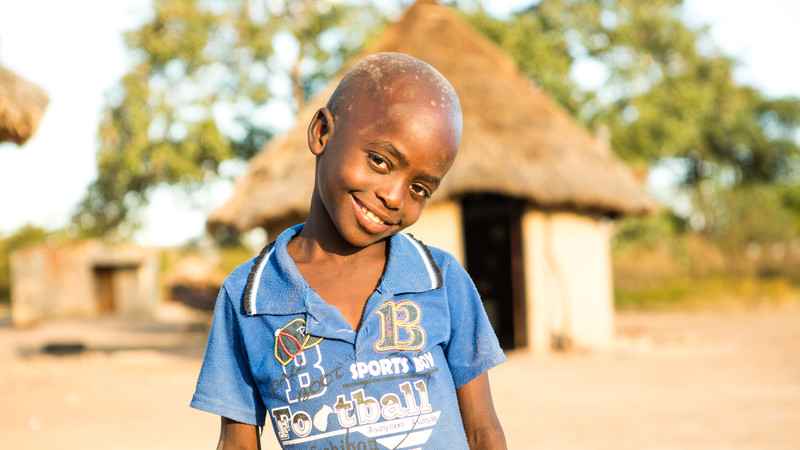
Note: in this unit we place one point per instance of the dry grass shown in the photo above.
(692, 272)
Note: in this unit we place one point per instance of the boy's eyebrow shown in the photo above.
(389, 148)
(431, 179)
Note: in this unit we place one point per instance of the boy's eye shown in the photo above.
(420, 191)
(378, 162)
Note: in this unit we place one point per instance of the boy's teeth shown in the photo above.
(371, 215)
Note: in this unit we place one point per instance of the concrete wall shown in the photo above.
(440, 226)
(48, 281)
(60, 281)
(568, 278)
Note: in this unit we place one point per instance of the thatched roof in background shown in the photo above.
(517, 141)
(22, 105)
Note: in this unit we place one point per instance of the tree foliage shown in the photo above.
(210, 72)
(207, 73)
(664, 91)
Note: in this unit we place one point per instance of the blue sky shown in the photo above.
(74, 50)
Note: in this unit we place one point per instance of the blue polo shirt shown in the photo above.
(277, 350)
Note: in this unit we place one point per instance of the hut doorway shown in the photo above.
(114, 287)
(104, 289)
(493, 246)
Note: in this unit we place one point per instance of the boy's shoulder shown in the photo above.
(237, 279)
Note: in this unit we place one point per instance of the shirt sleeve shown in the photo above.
(225, 385)
(473, 347)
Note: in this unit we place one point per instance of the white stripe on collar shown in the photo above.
(257, 281)
(424, 256)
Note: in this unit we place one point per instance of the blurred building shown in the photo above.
(526, 206)
(82, 280)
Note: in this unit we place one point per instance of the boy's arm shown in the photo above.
(477, 412)
(238, 436)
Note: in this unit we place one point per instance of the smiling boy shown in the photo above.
(346, 332)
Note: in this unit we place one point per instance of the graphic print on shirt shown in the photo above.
(292, 339)
(401, 415)
(304, 378)
(302, 369)
(400, 330)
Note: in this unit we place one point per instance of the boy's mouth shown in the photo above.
(370, 217)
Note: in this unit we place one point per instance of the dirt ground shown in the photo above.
(691, 380)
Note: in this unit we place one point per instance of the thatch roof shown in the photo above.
(22, 105)
(517, 141)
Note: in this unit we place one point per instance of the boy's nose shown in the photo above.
(392, 193)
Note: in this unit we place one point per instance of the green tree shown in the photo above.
(665, 92)
(206, 72)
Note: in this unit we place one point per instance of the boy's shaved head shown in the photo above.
(400, 77)
(387, 137)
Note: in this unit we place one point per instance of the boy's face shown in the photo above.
(385, 156)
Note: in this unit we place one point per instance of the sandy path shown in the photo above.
(675, 381)
(706, 380)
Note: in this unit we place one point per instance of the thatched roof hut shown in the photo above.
(523, 207)
(22, 105)
(517, 141)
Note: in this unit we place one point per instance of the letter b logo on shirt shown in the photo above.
(400, 330)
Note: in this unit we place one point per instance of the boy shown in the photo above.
(344, 332)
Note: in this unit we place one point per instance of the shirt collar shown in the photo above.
(410, 267)
(276, 287)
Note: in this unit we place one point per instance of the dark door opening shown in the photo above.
(493, 247)
(104, 289)
(114, 286)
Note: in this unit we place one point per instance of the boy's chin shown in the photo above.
(360, 238)
(367, 240)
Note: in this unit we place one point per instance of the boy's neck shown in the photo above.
(325, 245)
(342, 275)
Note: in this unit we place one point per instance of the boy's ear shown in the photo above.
(320, 130)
